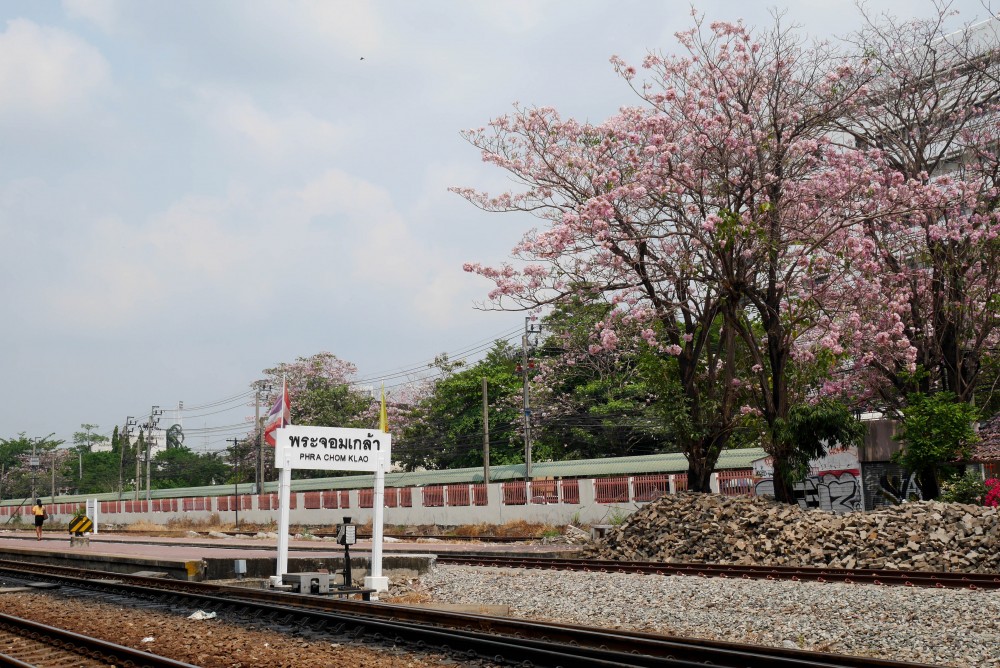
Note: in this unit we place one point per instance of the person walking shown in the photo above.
(38, 510)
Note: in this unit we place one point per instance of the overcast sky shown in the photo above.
(193, 191)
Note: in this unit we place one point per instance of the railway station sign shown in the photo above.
(332, 448)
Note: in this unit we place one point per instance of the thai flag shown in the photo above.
(280, 415)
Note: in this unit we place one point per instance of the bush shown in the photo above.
(967, 488)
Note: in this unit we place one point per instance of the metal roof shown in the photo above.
(674, 462)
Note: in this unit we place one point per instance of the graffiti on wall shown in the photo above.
(896, 489)
(837, 491)
(833, 483)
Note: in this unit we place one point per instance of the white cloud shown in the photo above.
(323, 238)
(102, 13)
(47, 73)
(274, 136)
(351, 27)
(513, 16)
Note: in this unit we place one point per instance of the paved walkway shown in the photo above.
(185, 549)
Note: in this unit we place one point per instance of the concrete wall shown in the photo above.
(588, 510)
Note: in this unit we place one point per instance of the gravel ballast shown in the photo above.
(937, 626)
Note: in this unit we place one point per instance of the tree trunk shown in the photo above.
(700, 474)
(782, 474)
(928, 485)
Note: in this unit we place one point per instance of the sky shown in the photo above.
(192, 191)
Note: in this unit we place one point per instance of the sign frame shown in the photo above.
(332, 449)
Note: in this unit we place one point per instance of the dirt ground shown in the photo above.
(211, 643)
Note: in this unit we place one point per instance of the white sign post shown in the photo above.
(333, 449)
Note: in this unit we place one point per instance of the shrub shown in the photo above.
(967, 488)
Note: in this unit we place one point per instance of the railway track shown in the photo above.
(465, 638)
(794, 573)
(28, 644)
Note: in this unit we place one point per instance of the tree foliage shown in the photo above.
(725, 224)
(180, 467)
(445, 428)
(321, 391)
(931, 110)
(589, 405)
(936, 430)
(16, 474)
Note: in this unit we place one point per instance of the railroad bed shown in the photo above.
(937, 580)
(458, 638)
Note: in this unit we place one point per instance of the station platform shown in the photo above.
(203, 558)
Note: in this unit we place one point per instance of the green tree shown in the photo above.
(16, 474)
(811, 428)
(591, 405)
(180, 467)
(85, 440)
(175, 436)
(100, 473)
(445, 429)
(936, 430)
(83, 444)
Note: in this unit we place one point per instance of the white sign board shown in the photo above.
(331, 448)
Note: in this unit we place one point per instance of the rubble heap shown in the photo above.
(709, 528)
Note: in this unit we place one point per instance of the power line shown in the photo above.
(406, 375)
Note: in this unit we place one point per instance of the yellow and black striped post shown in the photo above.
(80, 525)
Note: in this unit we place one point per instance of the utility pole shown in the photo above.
(154, 421)
(525, 368)
(87, 428)
(236, 478)
(261, 387)
(486, 435)
(34, 466)
(126, 433)
(138, 464)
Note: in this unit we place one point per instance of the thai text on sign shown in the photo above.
(331, 448)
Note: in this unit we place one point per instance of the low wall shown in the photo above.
(556, 502)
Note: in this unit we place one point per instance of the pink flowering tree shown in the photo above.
(932, 109)
(712, 218)
(323, 391)
(772, 204)
(607, 240)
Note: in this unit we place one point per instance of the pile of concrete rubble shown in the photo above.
(708, 528)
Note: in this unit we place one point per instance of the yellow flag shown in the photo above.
(383, 416)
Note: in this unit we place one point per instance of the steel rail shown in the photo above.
(933, 579)
(51, 646)
(486, 636)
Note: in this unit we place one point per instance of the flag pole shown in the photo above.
(284, 494)
(377, 581)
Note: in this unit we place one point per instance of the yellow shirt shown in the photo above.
(38, 510)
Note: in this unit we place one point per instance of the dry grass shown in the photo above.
(408, 598)
(513, 529)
